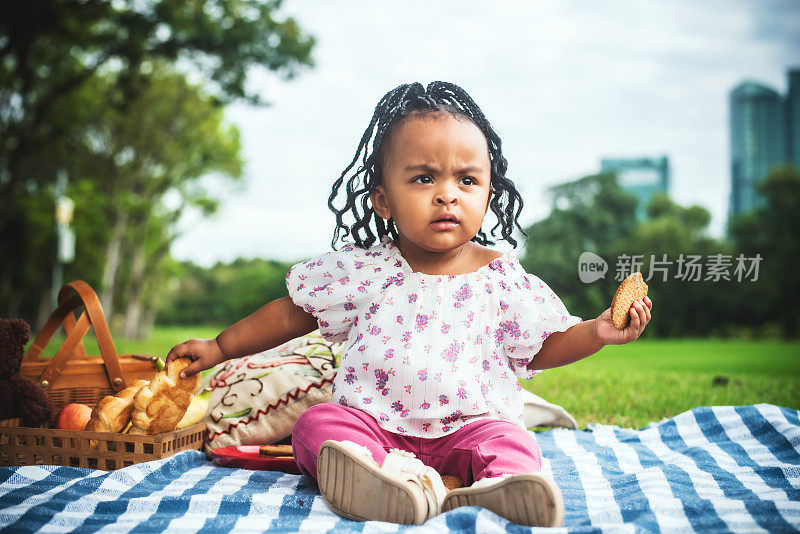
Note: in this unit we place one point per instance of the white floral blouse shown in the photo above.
(427, 354)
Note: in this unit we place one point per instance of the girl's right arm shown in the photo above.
(272, 325)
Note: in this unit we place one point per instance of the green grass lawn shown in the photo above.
(161, 340)
(647, 380)
(626, 385)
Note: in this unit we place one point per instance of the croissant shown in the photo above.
(159, 406)
(113, 413)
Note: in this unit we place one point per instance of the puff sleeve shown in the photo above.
(529, 312)
(333, 288)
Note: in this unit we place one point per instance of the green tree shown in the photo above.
(52, 52)
(593, 214)
(170, 137)
(223, 293)
(772, 232)
(588, 215)
(686, 301)
(49, 48)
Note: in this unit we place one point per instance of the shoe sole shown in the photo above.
(529, 500)
(357, 489)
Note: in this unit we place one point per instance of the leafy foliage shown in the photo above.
(589, 214)
(593, 214)
(223, 293)
(100, 90)
(772, 231)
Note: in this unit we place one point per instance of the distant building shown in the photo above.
(793, 117)
(758, 142)
(643, 177)
(764, 132)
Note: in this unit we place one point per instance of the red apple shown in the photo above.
(73, 416)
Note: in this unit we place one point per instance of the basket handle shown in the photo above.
(73, 345)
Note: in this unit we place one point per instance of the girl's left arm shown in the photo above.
(588, 337)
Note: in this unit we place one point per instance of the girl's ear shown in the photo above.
(380, 204)
(491, 192)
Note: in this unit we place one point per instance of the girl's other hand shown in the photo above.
(607, 334)
(204, 353)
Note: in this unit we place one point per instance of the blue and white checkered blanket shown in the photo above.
(718, 469)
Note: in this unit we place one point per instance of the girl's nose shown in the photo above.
(445, 197)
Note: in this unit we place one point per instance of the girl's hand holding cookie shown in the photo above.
(608, 334)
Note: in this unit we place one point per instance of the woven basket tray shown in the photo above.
(51, 446)
(73, 376)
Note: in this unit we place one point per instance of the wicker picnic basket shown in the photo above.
(74, 376)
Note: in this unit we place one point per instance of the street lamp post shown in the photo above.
(65, 237)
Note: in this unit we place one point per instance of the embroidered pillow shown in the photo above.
(256, 399)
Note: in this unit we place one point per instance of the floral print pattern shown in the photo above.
(427, 354)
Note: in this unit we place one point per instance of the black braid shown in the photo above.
(396, 105)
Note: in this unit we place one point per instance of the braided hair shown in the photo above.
(396, 105)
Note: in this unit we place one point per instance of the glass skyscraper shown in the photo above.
(793, 118)
(764, 132)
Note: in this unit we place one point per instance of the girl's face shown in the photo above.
(435, 166)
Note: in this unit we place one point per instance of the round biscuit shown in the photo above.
(631, 289)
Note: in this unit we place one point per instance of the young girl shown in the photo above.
(437, 327)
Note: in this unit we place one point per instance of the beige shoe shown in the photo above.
(531, 500)
(403, 490)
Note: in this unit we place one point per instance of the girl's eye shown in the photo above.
(426, 179)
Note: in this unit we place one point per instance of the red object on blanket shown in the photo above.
(247, 457)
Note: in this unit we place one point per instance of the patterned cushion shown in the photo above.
(257, 399)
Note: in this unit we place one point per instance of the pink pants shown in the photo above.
(485, 448)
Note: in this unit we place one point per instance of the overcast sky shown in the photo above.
(564, 83)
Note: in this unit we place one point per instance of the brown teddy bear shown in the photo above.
(19, 396)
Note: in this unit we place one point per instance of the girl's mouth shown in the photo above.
(444, 225)
(445, 221)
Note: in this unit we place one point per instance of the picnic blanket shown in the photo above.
(710, 469)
